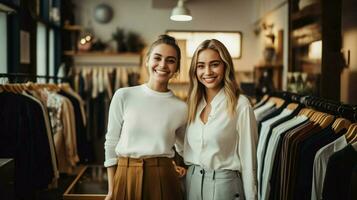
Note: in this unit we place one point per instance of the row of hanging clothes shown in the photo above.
(307, 148)
(96, 85)
(42, 129)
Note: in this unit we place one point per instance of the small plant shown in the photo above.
(119, 37)
(133, 42)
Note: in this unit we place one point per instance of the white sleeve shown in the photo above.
(115, 121)
(180, 137)
(247, 146)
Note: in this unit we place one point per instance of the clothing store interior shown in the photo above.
(61, 61)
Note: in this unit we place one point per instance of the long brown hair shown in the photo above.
(197, 89)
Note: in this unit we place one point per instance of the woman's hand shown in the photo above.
(180, 170)
(108, 197)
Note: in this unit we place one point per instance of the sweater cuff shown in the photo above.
(110, 162)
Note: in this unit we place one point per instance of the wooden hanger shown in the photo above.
(23, 87)
(354, 134)
(18, 88)
(64, 86)
(326, 120)
(351, 133)
(265, 97)
(340, 123)
(321, 117)
(317, 117)
(30, 86)
(10, 88)
(278, 101)
(52, 87)
(308, 112)
(292, 106)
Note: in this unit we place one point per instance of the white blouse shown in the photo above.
(144, 123)
(225, 142)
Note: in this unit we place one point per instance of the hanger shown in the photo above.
(265, 97)
(278, 101)
(30, 86)
(292, 106)
(64, 86)
(326, 120)
(354, 134)
(23, 87)
(308, 112)
(340, 123)
(351, 132)
(316, 117)
(10, 88)
(18, 88)
(52, 87)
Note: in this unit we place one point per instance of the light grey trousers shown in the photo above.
(204, 184)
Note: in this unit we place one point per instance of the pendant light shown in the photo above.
(180, 12)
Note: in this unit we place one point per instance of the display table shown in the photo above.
(90, 184)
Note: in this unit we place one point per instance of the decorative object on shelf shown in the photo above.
(119, 36)
(265, 83)
(304, 3)
(127, 41)
(269, 54)
(98, 45)
(133, 42)
(86, 40)
(103, 13)
(268, 28)
(302, 83)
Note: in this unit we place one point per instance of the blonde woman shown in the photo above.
(221, 138)
(144, 124)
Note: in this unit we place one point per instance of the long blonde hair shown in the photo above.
(197, 89)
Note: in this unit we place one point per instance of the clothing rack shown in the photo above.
(23, 77)
(324, 105)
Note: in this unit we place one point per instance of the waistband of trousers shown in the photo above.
(144, 162)
(214, 174)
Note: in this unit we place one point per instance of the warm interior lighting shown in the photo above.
(315, 50)
(180, 12)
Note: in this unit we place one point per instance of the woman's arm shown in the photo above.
(248, 138)
(111, 171)
(115, 121)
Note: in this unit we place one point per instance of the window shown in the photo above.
(3, 42)
(41, 49)
(51, 52)
(232, 40)
(188, 41)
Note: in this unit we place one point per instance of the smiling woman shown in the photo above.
(140, 141)
(221, 133)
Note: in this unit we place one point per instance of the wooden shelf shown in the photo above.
(72, 28)
(313, 10)
(105, 59)
(316, 22)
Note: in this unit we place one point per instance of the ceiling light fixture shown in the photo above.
(180, 12)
